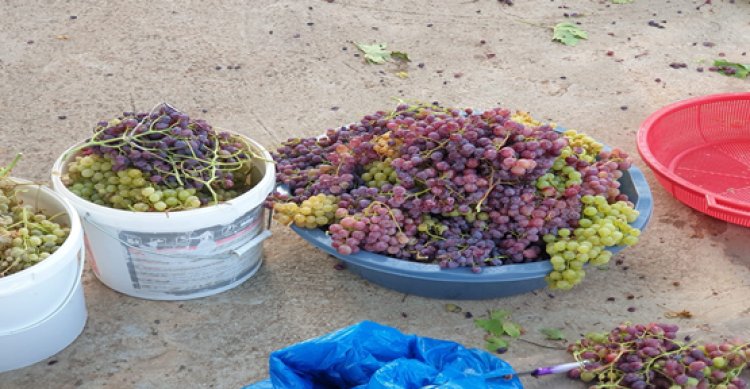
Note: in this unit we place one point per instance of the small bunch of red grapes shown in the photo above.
(160, 161)
(460, 188)
(652, 357)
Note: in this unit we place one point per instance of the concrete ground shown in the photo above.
(64, 65)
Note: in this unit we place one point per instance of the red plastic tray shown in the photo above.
(699, 150)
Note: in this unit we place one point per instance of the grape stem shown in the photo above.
(500, 145)
(489, 190)
(7, 169)
(433, 236)
(390, 212)
(520, 20)
(415, 106)
(542, 345)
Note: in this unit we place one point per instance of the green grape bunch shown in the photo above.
(27, 235)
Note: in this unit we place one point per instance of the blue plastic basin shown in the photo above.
(429, 280)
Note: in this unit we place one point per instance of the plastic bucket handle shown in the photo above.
(265, 234)
(70, 295)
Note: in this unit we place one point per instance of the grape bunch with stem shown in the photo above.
(651, 356)
(160, 161)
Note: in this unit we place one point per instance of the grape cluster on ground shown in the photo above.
(27, 234)
(652, 357)
(160, 161)
(460, 188)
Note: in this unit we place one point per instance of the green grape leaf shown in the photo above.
(493, 326)
(376, 53)
(553, 333)
(400, 55)
(499, 314)
(496, 344)
(452, 308)
(568, 34)
(741, 70)
(512, 329)
(622, 1)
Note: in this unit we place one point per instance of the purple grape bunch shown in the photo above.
(171, 148)
(651, 356)
(451, 186)
(160, 154)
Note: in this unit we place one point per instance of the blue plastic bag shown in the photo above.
(369, 355)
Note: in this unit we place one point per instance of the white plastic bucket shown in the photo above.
(42, 307)
(175, 255)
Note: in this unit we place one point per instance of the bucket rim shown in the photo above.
(266, 184)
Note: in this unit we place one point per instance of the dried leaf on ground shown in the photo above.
(378, 54)
(684, 314)
(739, 70)
(499, 314)
(553, 333)
(512, 329)
(500, 330)
(493, 326)
(400, 55)
(496, 345)
(568, 34)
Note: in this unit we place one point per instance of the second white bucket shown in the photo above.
(177, 255)
(42, 308)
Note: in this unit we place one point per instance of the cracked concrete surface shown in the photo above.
(298, 76)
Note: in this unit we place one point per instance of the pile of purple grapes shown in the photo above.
(452, 186)
(652, 357)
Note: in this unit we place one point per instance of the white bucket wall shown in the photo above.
(43, 307)
(175, 255)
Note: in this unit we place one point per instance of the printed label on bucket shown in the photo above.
(187, 263)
